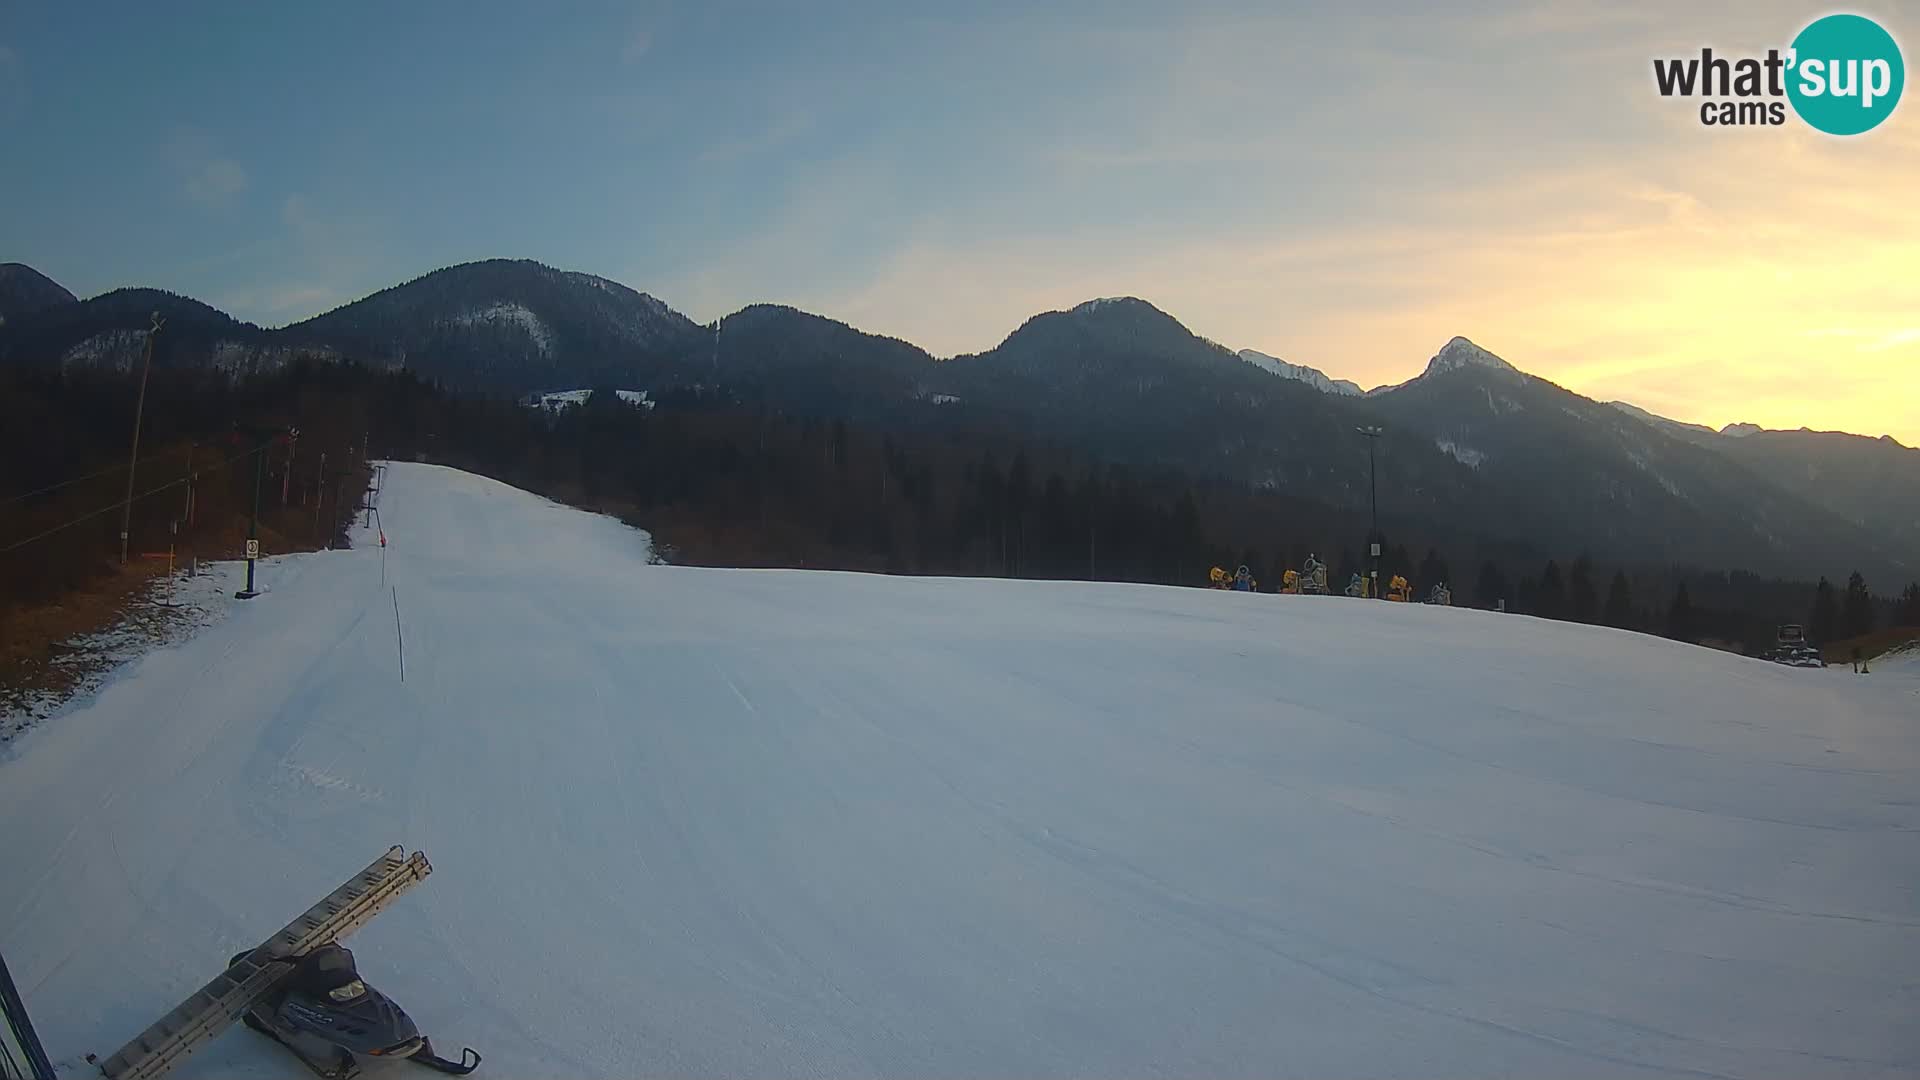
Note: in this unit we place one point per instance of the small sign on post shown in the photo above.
(253, 553)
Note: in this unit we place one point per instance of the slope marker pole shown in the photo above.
(397, 637)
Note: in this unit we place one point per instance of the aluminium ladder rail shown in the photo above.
(208, 1011)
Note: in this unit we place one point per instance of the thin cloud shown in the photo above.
(637, 46)
(339, 255)
(208, 176)
(1896, 339)
(217, 180)
(281, 304)
(783, 128)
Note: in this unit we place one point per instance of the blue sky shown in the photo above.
(1341, 188)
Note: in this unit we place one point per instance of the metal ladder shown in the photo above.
(209, 1010)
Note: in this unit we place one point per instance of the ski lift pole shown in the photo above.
(15, 1012)
(133, 455)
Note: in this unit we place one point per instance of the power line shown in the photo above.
(118, 503)
(11, 499)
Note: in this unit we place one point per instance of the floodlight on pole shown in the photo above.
(1373, 496)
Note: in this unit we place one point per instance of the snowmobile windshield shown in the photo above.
(327, 968)
(348, 991)
(332, 960)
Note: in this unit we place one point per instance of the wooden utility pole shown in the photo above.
(186, 511)
(319, 494)
(133, 458)
(286, 478)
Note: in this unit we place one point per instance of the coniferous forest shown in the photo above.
(721, 481)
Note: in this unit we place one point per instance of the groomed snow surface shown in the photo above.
(691, 822)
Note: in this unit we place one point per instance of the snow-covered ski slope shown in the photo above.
(691, 822)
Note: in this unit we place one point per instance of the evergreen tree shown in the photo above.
(1583, 603)
(1492, 587)
(1526, 596)
(1823, 623)
(1186, 541)
(1433, 571)
(1619, 601)
(1908, 613)
(1394, 560)
(1550, 598)
(1343, 569)
(1857, 610)
(1018, 494)
(1680, 615)
(1089, 501)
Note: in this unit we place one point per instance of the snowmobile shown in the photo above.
(326, 1014)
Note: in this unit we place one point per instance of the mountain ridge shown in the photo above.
(1312, 376)
(1473, 442)
(1458, 351)
(25, 291)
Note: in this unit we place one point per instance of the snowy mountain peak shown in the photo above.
(506, 313)
(1666, 423)
(1111, 303)
(1460, 353)
(1313, 377)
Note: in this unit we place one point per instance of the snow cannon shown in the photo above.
(1313, 577)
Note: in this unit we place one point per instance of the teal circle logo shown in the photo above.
(1845, 74)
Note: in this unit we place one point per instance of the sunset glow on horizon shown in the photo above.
(1346, 190)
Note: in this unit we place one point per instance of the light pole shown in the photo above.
(133, 458)
(1373, 494)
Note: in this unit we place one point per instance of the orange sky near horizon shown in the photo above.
(1767, 275)
(1780, 287)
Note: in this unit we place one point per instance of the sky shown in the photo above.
(1342, 188)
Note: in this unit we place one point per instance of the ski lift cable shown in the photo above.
(118, 503)
(11, 499)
